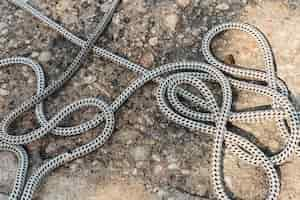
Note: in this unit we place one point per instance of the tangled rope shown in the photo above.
(199, 112)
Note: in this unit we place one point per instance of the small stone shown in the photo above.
(140, 153)
(51, 148)
(157, 170)
(89, 79)
(173, 166)
(185, 172)
(3, 197)
(2, 26)
(35, 54)
(153, 41)
(228, 181)
(156, 157)
(45, 56)
(222, 6)
(2, 40)
(229, 59)
(183, 3)
(147, 59)
(12, 43)
(135, 171)
(4, 92)
(4, 31)
(171, 21)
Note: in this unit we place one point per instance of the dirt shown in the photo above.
(147, 158)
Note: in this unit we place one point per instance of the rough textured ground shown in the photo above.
(147, 157)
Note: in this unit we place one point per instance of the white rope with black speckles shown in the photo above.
(213, 121)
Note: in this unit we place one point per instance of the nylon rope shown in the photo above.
(201, 112)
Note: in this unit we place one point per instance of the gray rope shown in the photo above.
(202, 113)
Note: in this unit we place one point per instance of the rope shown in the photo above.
(201, 113)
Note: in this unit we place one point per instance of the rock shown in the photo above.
(158, 169)
(229, 59)
(153, 41)
(2, 26)
(13, 43)
(183, 3)
(45, 56)
(223, 6)
(35, 54)
(4, 92)
(4, 32)
(156, 157)
(89, 79)
(2, 40)
(147, 59)
(3, 197)
(140, 153)
(8, 168)
(51, 148)
(173, 166)
(171, 21)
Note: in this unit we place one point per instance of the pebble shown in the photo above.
(140, 153)
(157, 170)
(51, 148)
(89, 79)
(35, 54)
(153, 41)
(2, 40)
(156, 157)
(147, 59)
(4, 92)
(2, 25)
(183, 3)
(171, 21)
(45, 56)
(12, 43)
(4, 32)
(173, 166)
(202, 189)
(222, 6)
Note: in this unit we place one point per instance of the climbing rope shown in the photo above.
(201, 113)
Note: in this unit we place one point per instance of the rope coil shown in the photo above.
(213, 120)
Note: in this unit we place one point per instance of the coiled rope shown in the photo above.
(205, 115)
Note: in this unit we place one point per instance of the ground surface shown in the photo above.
(147, 157)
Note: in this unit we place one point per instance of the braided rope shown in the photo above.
(212, 120)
